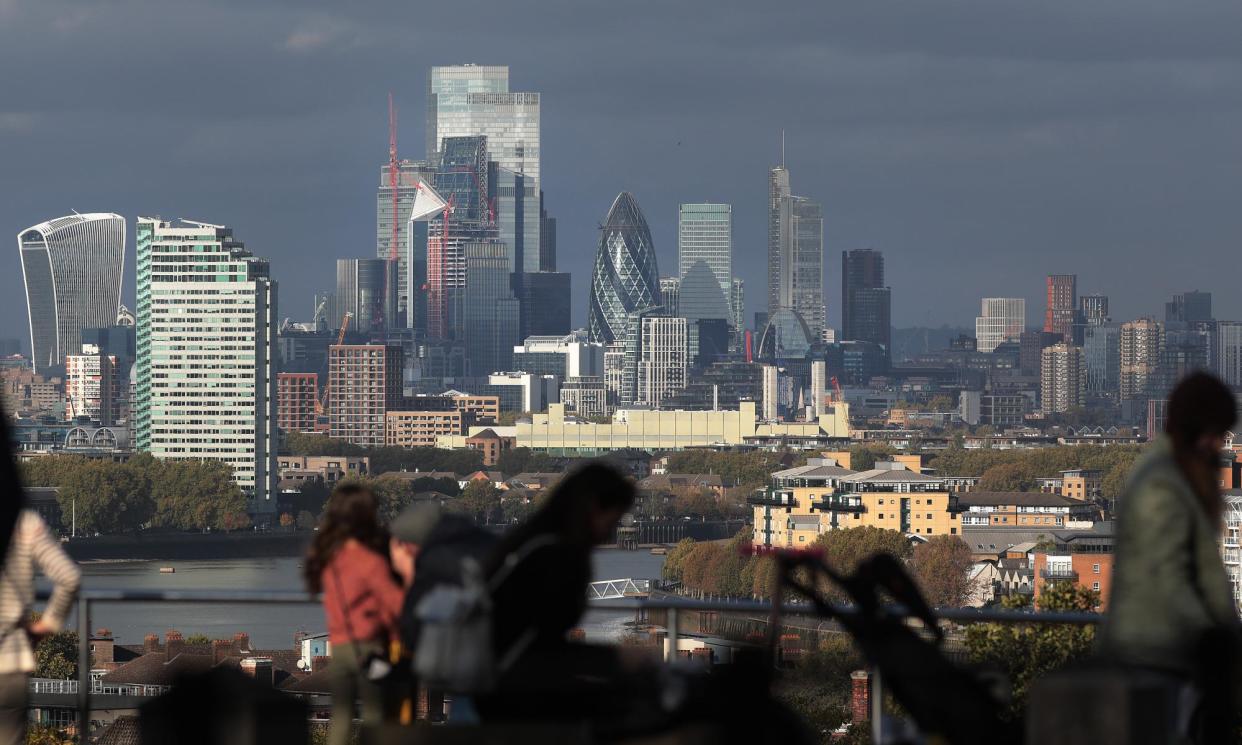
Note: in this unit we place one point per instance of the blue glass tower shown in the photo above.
(625, 277)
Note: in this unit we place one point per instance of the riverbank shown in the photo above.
(189, 546)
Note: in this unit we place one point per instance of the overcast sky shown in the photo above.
(979, 144)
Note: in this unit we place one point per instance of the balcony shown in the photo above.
(1058, 573)
(837, 504)
(771, 499)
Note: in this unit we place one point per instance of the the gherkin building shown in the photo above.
(625, 277)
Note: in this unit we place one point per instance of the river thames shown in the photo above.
(273, 627)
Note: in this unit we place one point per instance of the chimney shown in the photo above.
(320, 662)
(259, 668)
(150, 644)
(102, 648)
(860, 696)
(220, 648)
(241, 643)
(173, 644)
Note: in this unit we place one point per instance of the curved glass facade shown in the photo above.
(72, 268)
(625, 277)
(785, 338)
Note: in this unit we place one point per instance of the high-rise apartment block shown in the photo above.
(1003, 319)
(670, 295)
(705, 233)
(92, 388)
(1228, 352)
(296, 397)
(866, 304)
(1141, 345)
(663, 360)
(795, 253)
(1093, 309)
(1061, 310)
(1062, 378)
(72, 267)
(364, 384)
(206, 379)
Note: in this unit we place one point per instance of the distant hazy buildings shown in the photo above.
(795, 252)
(705, 233)
(1093, 309)
(1003, 319)
(490, 311)
(625, 277)
(1062, 378)
(1189, 307)
(1061, 307)
(1101, 347)
(92, 388)
(1229, 352)
(545, 300)
(1141, 344)
(72, 267)
(866, 303)
(206, 377)
(361, 285)
(411, 263)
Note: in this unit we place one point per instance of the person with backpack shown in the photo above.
(538, 578)
(348, 562)
(1171, 610)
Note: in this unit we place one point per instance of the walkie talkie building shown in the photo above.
(72, 267)
(625, 277)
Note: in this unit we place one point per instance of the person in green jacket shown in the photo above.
(1172, 609)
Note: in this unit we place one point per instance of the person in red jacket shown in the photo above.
(348, 562)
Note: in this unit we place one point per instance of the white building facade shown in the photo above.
(1003, 319)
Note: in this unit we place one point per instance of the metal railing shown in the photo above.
(84, 687)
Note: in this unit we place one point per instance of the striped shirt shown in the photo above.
(33, 545)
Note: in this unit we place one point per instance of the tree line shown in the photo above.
(390, 459)
(144, 492)
(941, 565)
(1019, 470)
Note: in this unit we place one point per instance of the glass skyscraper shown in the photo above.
(360, 288)
(1002, 319)
(866, 304)
(490, 311)
(474, 100)
(625, 278)
(206, 383)
(795, 253)
(411, 264)
(705, 233)
(72, 267)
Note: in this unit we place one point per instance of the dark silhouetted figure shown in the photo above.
(1171, 609)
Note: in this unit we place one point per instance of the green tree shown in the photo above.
(192, 494)
(57, 656)
(863, 457)
(846, 548)
(524, 460)
(1008, 477)
(481, 499)
(1027, 651)
(694, 501)
(306, 520)
(942, 568)
(392, 495)
(107, 497)
(198, 640)
(674, 561)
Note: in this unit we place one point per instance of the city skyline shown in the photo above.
(867, 155)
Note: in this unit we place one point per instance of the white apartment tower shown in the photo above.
(662, 360)
(206, 328)
(1003, 319)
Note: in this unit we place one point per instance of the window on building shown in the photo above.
(952, 531)
(1095, 586)
(1095, 568)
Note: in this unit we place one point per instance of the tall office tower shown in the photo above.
(464, 182)
(364, 384)
(866, 304)
(491, 322)
(1229, 352)
(1187, 349)
(206, 384)
(1189, 307)
(705, 233)
(72, 268)
(547, 239)
(670, 295)
(700, 300)
(795, 253)
(737, 303)
(92, 389)
(1141, 344)
(663, 360)
(819, 387)
(544, 298)
(771, 393)
(516, 214)
(625, 277)
(1061, 310)
(1003, 319)
(360, 288)
(426, 220)
(614, 373)
(296, 396)
(409, 175)
(1062, 378)
(1093, 309)
(1101, 348)
(474, 100)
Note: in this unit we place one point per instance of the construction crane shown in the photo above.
(321, 404)
(838, 396)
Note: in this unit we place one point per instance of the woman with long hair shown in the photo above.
(539, 576)
(348, 563)
(1171, 609)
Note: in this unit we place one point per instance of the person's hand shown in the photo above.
(39, 630)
